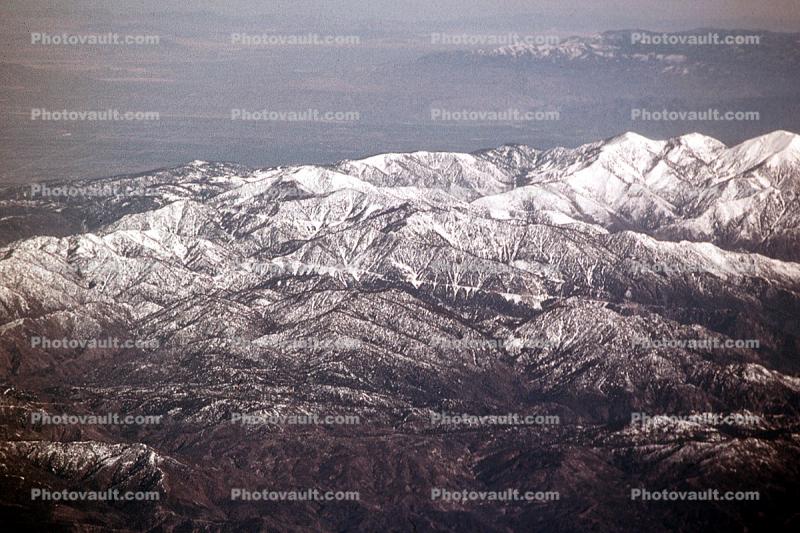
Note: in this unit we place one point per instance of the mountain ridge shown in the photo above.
(340, 290)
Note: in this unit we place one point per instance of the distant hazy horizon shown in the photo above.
(196, 75)
(672, 15)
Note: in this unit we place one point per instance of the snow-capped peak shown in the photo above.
(773, 142)
(698, 141)
(698, 145)
(632, 137)
(773, 149)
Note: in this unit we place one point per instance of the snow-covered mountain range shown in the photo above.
(399, 286)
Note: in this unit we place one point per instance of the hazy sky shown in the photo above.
(196, 76)
(569, 14)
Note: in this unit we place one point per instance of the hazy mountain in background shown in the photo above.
(395, 79)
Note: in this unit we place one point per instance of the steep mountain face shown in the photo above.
(562, 283)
